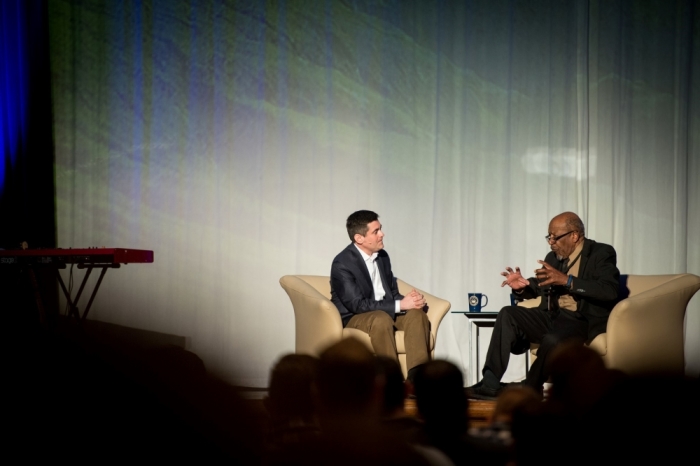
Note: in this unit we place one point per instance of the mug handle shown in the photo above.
(487, 300)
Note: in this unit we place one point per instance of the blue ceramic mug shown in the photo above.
(475, 301)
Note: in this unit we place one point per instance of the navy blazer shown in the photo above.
(351, 286)
(596, 288)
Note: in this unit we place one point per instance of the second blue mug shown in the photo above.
(475, 301)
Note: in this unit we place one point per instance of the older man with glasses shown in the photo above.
(578, 282)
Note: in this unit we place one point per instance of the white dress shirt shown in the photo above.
(371, 263)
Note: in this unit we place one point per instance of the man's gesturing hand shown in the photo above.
(548, 275)
(514, 279)
(413, 300)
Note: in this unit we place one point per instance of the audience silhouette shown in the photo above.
(443, 406)
(512, 399)
(73, 396)
(350, 394)
(597, 415)
(290, 402)
(395, 418)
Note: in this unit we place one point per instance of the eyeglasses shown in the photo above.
(554, 239)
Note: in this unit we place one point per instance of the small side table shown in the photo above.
(478, 337)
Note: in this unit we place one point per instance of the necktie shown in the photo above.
(562, 265)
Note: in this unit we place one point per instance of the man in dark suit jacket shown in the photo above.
(364, 290)
(578, 283)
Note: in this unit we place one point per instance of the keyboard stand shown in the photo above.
(73, 304)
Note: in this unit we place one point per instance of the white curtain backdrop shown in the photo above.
(233, 139)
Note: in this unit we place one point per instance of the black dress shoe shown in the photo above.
(480, 391)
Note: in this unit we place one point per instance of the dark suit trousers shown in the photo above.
(381, 327)
(517, 327)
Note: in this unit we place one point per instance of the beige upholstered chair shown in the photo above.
(318, 324)
(645, 329)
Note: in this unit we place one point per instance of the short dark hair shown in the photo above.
(357, 223)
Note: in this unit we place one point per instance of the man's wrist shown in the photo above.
(569, 281)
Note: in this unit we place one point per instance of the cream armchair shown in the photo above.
(645, 329)
(317, 320)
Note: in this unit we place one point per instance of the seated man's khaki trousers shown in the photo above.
(380, 327)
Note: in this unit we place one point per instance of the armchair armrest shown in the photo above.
(437, 307)
(534, 302)
(317, 320)
(645, 331)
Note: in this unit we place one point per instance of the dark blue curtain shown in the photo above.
(13, 83)
(27, 199)
(26, 136)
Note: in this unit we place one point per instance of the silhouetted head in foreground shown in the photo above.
(348, 383)
(291, 389)
(440, 398)
(394, 387)
(514, 399)
(579, 378)
(350, 392)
